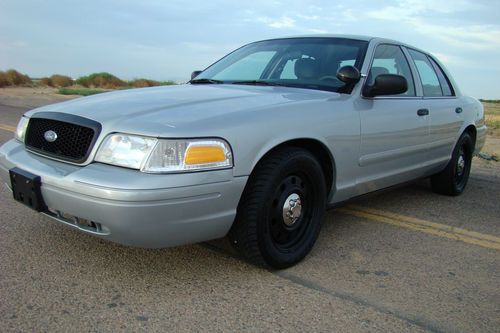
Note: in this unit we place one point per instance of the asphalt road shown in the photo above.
(406, 260)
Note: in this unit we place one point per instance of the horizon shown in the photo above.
(167, 41)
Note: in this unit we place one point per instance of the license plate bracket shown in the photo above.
(26, 188)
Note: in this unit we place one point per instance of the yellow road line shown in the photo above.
(7, 128)
(436, 229)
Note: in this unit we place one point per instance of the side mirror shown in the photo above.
(387, 84)
(348, 74)
(195, 74)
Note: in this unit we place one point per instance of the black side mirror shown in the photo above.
(195, 74)
(348, 74)
(386, 84)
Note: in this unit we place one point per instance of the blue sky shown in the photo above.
(167, 39)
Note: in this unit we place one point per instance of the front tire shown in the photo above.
(280, 213)
(453, 179)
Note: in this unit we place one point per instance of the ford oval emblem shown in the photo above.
(50, 136)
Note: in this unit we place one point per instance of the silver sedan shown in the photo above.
(255, 147)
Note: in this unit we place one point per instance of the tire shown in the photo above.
(290, 180)
(453, 179)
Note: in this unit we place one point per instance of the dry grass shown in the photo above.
(492, 112)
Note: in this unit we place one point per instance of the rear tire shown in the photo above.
(453, 179)
(280, 213)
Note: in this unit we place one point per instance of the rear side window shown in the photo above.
(443, 80)
(428, 77)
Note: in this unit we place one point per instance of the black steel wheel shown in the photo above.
(453, 179)
(280, 213)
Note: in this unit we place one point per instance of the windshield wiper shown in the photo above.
(205, 81)
(258, 83)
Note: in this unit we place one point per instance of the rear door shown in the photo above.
(445, 111)
(394, 133)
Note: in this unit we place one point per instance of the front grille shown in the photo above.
(73, 143)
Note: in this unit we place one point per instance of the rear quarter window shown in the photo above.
(443, 79)
(431, 83)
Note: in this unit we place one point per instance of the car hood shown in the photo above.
(159, 110)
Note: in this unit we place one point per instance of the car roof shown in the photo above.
(356, 37)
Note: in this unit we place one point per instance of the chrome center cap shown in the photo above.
(460, 165)
(292, 209)
(50, 136)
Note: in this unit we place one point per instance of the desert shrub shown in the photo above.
(58, 81)
(13, 78)
(45, 81)
(167, 83)
(16, 79)
(101, 80)
(141, 83)
(3, 79)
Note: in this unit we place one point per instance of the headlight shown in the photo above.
(162, 155)
(189, 155)
(21, 128)
(125, 150)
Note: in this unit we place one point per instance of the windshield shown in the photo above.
(294, 62)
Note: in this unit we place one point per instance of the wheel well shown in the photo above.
(471, 130)
(319, 150)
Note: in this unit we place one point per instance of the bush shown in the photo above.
(16, 79)
(141, 83)
(58, 81)
(101, 80)
(13, 78)
(167, 83)
(45, 81)
(3, 79)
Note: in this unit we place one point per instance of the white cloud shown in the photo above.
(417, 15)
(317, 31)
(407, 9)
(450, 60)
(478, 37)
(308, 17)
(278, 23)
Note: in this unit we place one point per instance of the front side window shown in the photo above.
(428, 77)
(310, 63)
(390, 59)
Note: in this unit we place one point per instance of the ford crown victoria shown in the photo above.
(255, 147)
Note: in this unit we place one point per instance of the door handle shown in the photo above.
(458, 110)
(423, 112)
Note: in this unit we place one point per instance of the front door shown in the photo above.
(394, 129)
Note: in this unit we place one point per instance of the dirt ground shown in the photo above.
(24, 97)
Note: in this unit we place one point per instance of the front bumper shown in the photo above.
(130, 207)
